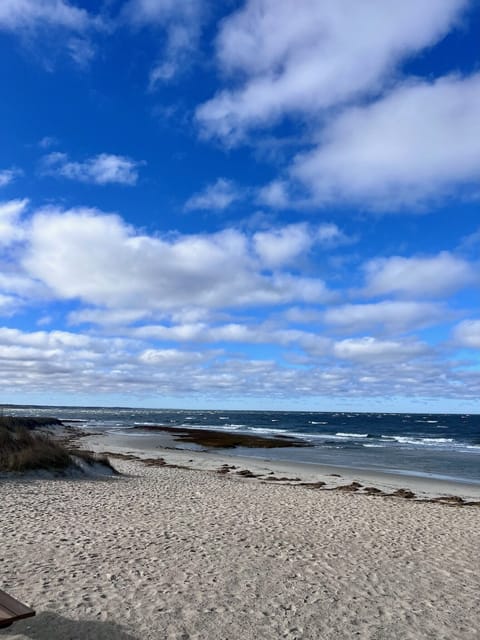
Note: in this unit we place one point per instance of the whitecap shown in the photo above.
(352, 435)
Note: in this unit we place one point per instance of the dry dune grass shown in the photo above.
(23, 449)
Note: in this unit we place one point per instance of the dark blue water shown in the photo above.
(440, 445)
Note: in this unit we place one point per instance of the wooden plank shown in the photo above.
(12, 610)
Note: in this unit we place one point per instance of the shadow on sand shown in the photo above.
(51, 626)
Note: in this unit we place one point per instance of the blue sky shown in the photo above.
(263, 204)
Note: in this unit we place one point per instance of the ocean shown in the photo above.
(426, 445)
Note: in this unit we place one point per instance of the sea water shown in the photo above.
(433, 445)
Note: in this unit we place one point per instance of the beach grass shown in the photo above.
(24, 449)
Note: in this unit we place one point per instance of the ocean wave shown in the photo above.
(313, 422)
(352, 435)
(419, 441)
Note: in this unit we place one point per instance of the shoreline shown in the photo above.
(334, 476)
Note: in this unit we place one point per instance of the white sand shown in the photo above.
(170, 553)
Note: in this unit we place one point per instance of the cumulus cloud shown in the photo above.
(275, 195)
(102, 261)
(161, 297)
(315, 345)
(78, 364)
(217, 196)
(281, 246)
(302, 58)
(8, 305)
(10, 227)
(105, 168)
(387, 315)
(416, 143)
(35, 360)
(429, 277)
(180, 21)
(467, 334)
(235, 332)
(172, 357)
(370, 349)
(107, 317)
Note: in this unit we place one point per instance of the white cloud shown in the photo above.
(278, 247)
(429, 277)
(8, 305)
(27, 14)
(328, 234)
(104, 262)
(182, 23)
(160, 12)
(171, 357)
(10, 227)
(235, 332)
(30, 19)
(8, 175)
(365, 349)
(467, 334)
(217, 196)
(371, 349)
(79, 365)
(43, 339)
(281, 246)
(14, 281)
(390, 315)
(416, 143)
(102, 169)
(301, 58)
(107, 317)
(177, 55)
(275, 195)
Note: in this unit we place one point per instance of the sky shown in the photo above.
(257, 204)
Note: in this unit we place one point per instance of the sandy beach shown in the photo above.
(192, 554)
